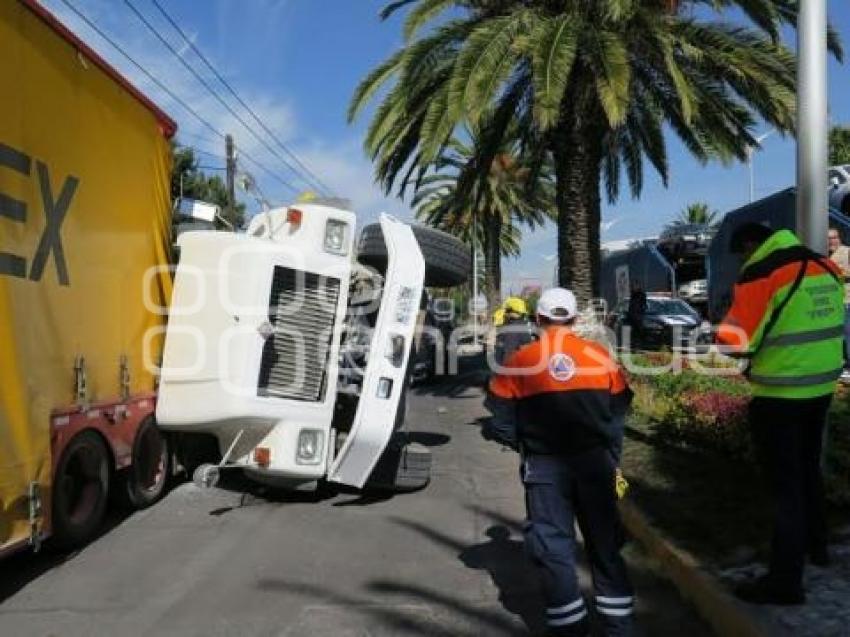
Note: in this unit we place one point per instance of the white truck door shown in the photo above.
(383, 380)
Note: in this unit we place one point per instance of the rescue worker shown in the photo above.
(560, 402)
(840, 255)
(635, 314)
(515, 331)
(787, 317)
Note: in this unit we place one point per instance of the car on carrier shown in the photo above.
(294, 356)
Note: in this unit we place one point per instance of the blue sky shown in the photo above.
(297, 62)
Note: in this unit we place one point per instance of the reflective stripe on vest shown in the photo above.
(797, 381)
(798, 338)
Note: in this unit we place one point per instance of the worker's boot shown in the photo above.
(765, 591)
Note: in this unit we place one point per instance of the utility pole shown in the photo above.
(230, 213)
(812, 220)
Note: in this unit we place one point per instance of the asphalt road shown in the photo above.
(446, 561)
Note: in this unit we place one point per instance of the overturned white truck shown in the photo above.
(262, 325)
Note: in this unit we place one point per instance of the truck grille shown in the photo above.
(302, 311)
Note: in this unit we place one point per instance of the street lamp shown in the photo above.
(750, 151)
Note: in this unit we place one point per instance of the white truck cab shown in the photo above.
(252, 347)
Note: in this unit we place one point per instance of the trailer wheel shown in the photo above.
(80, 490)
(145, 479)
(447, 259)
(404, 467)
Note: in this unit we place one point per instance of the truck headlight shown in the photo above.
(309, 446)
(336, 232)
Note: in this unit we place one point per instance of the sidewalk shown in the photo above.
(827, 609)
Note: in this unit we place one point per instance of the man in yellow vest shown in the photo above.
(787, 317)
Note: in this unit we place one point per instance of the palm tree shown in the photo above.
(594, 83)
(696, 213)
(486, 210)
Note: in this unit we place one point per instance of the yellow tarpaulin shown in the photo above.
(84, 214)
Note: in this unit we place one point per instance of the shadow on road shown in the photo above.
(429, 438)
(505, 561)
(20, 569)
(417, 611)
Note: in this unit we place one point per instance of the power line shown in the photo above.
(227, 85)
(273, 175)
(171, 94)
(213, 92)
(201, 151)
(146, 73)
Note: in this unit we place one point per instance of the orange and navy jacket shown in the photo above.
(564, 394)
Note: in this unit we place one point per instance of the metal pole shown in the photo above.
(812, 219)
(474, 281)
(752, 174)
(231, 177)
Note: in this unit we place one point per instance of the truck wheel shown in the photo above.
(405, 466)
(80, 490)
(145, 479)
(447, 259)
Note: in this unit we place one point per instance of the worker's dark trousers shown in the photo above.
(788, 435)
(558, 491)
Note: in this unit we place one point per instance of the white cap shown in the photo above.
(557, 304)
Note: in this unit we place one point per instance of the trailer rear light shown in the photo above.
(294, 216)
(262, 456)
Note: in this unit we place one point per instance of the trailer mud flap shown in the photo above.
(383, 380)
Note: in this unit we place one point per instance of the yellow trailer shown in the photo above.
(84, 281)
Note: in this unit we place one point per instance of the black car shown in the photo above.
(668, 322)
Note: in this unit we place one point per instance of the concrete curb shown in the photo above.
(725, 615)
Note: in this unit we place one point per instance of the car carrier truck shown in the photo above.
(84, 244)
(777, 211)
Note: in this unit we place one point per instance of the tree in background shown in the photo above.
(839, 145)
(189, 181)
(593, 83)
(485, 208)
(696, 213)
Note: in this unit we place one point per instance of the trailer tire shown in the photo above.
(145, 479)
(447, 259)
(404, 467)
(81, 490)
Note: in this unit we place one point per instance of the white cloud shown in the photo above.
(348, 173)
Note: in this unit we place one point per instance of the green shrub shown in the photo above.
(710, 413)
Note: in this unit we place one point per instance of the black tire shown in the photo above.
(80, 490)
(404, 467)
(845, 205)
(145, 479)
(447, 259)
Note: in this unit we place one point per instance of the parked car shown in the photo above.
(839, 188)
(668, 322)
(694, 291)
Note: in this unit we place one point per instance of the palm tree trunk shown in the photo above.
(492, 261)
(577, 149)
